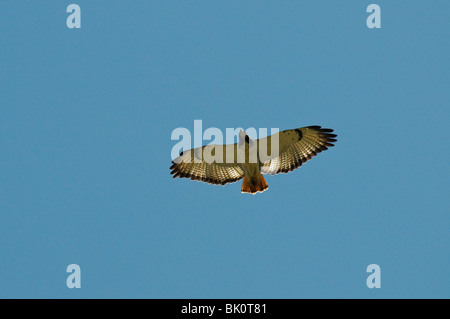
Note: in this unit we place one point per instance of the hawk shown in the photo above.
(248, 159)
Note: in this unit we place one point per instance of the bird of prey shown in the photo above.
(248, 159)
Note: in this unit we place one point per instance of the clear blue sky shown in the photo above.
(85, 123)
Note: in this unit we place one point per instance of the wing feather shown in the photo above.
(295, 147)
(197, 165)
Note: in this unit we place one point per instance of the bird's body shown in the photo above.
(250, 164)
(249, 159)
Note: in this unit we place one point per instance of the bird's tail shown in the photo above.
(257, 187)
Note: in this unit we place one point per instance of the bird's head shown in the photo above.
(244, 138)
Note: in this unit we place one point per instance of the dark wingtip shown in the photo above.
(328, 137)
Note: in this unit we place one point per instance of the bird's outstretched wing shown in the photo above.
(202, 164)
(295, 147)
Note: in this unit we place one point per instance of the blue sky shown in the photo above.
(86, 117)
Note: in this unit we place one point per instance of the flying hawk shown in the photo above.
(249, 159)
